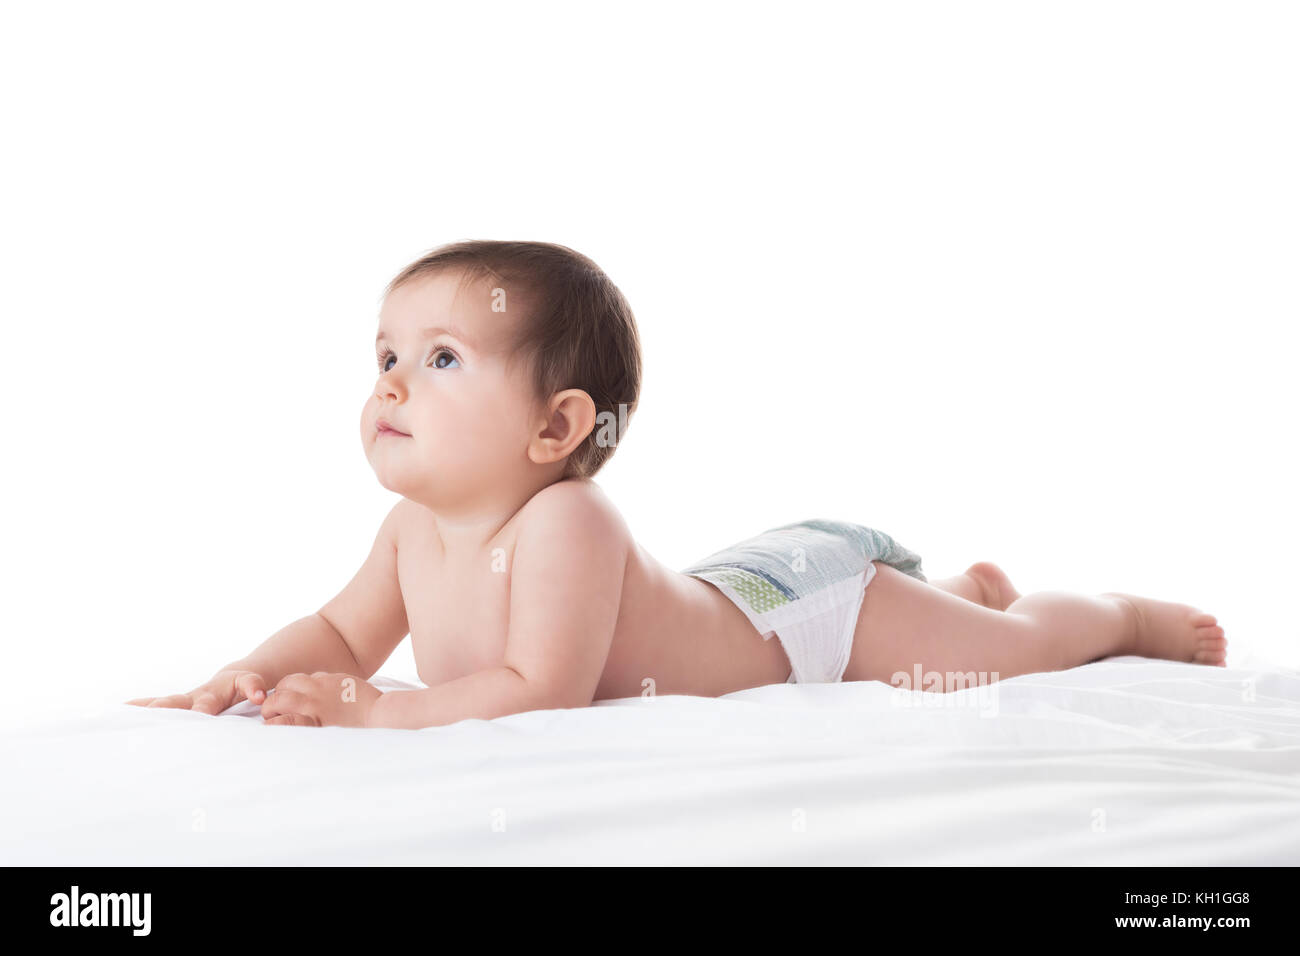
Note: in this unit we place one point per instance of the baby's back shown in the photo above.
(562, 590)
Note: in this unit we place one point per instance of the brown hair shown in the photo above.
(579, 331)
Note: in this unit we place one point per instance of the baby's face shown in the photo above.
(461, 413)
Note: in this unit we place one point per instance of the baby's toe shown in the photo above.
(1211, 650)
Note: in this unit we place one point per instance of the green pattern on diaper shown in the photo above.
(757, 591)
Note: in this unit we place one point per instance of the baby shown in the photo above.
(507, 375)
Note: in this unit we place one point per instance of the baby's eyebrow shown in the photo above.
(430, 332)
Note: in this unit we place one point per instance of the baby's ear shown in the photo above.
(570, 417)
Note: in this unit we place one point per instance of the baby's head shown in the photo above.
(503, 367)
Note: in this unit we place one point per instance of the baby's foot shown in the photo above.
(994, 585)
(1174, 632)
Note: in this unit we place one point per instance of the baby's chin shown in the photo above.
(402, 478)
(394, 475)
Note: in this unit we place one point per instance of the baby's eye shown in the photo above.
(440, 355)
(442, 358)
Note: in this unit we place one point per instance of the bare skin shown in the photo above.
(675, 634)
(688, 638)
(982, 583)
(957, 627)
(523, 589)
(677, 631)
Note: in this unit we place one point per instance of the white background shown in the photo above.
(1008, 281)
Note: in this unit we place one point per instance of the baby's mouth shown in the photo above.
(383, 428)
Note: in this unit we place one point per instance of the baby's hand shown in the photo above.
(321, 700)
(225, 689)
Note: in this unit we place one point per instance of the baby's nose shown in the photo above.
(389, 386)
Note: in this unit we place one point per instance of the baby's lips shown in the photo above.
(383, 425)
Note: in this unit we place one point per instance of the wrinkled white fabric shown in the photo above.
(1121, 762)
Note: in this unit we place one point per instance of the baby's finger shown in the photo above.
(292, 720)
(206, 702)
(281, 701)
(182, 701)
(252, 687)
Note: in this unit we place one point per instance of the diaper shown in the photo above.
(804, 583)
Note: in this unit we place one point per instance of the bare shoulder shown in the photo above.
(575, 512)
(567, 577)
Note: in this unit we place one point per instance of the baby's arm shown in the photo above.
(353, 633)
(566, 582)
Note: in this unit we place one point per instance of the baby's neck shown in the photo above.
(472, 527)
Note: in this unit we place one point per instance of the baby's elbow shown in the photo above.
(556, 694)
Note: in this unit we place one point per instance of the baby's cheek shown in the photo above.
(366, 421)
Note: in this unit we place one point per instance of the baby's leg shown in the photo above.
(905, 623)
(983, 583)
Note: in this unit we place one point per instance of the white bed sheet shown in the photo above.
(1121, 762)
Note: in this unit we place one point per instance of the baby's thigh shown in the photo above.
(905, 623)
